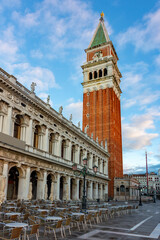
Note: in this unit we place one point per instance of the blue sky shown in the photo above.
(44, 40)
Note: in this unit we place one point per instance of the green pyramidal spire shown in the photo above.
(99, 37)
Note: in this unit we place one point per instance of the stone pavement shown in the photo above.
(143, 223)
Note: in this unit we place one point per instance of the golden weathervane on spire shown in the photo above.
(102, 14)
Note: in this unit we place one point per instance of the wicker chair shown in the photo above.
(14, 234)
(67, 225)
(34, 231)
(53, 228)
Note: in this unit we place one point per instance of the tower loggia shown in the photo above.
(101, 99)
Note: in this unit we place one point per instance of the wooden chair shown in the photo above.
(34, 231)
(14, 217)
(54, 228)
(67, 225)
(88, 220)
(14, 234)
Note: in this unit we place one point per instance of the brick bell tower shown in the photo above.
(101, 99)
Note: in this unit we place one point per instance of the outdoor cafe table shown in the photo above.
(77, 214)
(58, 208)
(18, 224)
(13, 213)
(53, 218)
(103, 209)
(43, 210)
(92, 210)
(10, 207)
(74, 207)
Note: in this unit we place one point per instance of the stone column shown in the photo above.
(101, 191)
(106, 192)
(59, 146)
(46, 141)
(77, 189)
(57, 187)
(77, 153)
(90, 190)
(91, 161)
(5, 176)
(1, 122)
(8, 126)
(29, 133)
(52, 192)
(23, 188)
(68, 150)
(67, 189)
(41, 186)
(101, 165)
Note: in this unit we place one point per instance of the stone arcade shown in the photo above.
(38, 147)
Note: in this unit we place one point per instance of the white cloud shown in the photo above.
(8, 45)
(136, 135)
(43, 77)
(145, 36)
(28, 20)
(74, 108)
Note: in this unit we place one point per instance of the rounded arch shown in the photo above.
(37, 131)
(90, 76)
(105, 72)
(95, 74)
(122, 188)
(49, 183)
(13, 182)
(17, 126)
(100, 73)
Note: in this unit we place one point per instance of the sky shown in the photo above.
(43, 41)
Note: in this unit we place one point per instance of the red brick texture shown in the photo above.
(102, 113)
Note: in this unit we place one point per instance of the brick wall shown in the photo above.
(104, 122)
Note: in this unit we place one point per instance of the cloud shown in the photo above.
(144, 36)
(8, 45)
(136, 135)
(36, 54)
(43, 77)
(140, 169)
(28, 20)
(74, 108)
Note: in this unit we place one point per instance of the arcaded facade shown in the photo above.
(38, 147)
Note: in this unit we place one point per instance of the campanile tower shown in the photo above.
(101, 99)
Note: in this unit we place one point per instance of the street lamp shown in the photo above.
(84, 171)
(140, 200)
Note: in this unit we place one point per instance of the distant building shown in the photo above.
(153, 181)
(126, 188)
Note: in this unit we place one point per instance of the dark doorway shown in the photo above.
(13, 181)
(49, 182)
(33, 179)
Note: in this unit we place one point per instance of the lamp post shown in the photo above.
(84, 171)
(140, 200)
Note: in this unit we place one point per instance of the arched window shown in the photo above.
(100, 73)
(73, 154)
(122, 188)
(90, 75)
(105, 72)
(36, 133)
(63, 149)
(95, 74)
(80, 156)
(17, 127)
(50, 143)
(117, 189)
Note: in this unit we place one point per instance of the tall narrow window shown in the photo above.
(95, 74)
(35, 142)
(62, 149)
(90, 76)
(100, 73)
(105, 72)
(17, 127)
(50, 144)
